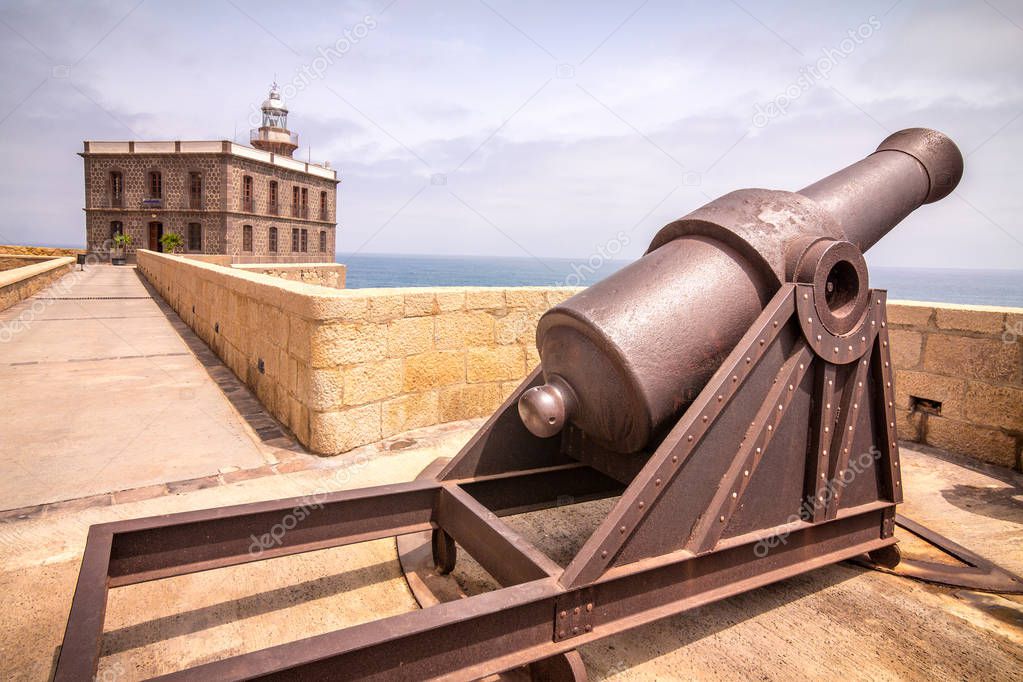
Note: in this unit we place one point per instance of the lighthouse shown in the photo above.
(273, 135)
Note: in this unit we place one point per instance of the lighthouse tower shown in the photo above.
(273, 135)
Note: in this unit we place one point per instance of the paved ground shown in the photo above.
(94, 382)
(840, 621)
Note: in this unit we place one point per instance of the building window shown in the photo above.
(323, 240)
(273, 198)
(194, 237)
(155, 185)
(295, 193)
(305, 202)
(323, 206)
(195, 190)
(305, 241)
(246, 237)
(247, 193)
(116, 228)
(116, 189)
(272, 240)
(294, 239)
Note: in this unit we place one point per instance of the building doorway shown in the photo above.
(155, 233)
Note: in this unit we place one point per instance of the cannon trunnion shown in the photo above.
(732, 388)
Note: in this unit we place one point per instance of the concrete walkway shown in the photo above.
(100, 393)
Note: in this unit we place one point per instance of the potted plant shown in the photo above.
(171, 241)
(121, 243)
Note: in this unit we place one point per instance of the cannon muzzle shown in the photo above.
(625, 356)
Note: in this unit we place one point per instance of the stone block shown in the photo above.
(559, 294)
(332, 433)
(325, 389)
(373, 381)
(409, 335)
(298, 421)
(480, 298)
(411, 411)
(969, 319)
(998, 406)
(987, 444)
(346, 344)
(906, 348)
(433, 370)
(949, 391)
(449, 300)
(462, 329)
(961, 356)
(909, 313)
(532, 357)
(518, 326)
(499, 363)
(467, 402)
(420, 303)
(385, 308)
(532, 298)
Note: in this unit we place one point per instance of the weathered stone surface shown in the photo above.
(909, 313)
(949, 391)
(335, 432)
(908, 424)
(906, 348)
(373, 381)
(999, 406)
(384, 308)
(409, 335)
(981, 319)
(420, 303)
(449, 300)
(411, 411)
(434, 369)
(484, 298)
(987, 444)
(463, 329)
(497, 363)
(466, 402)
(346, 344)
(534, 298)
(984, 359)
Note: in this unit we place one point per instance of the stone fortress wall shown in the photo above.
(344, 368)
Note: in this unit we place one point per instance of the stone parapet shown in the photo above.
(959, 378)
(19, 283)
(345, 367)
(323, 274)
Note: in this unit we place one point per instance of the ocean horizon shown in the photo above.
(373, 270)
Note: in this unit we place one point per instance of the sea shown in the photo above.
(979, 287)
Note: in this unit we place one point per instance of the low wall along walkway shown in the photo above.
(17, 284)
(343, 368)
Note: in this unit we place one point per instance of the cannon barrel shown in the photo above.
(623, 357)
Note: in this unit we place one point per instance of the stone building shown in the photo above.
(256, 204)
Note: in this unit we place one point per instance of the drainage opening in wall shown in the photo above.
(926, 405)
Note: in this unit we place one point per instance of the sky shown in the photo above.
(544, 129)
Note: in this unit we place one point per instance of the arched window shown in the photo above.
(247, 193)
(272, 240)
(116, 189)
(194, 237)
(323, 240)
(155, 185)
(323, 206)
(195, 190)
(246, 237)
(116, 228)
(273, 198)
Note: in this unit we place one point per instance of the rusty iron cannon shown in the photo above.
(732, 389)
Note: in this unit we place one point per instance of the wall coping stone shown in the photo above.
(15, 275)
